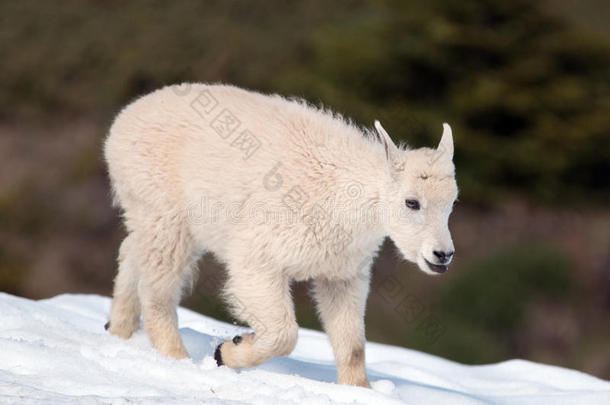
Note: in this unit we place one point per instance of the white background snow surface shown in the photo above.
(57, 351)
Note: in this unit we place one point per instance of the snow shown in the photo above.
(57, 351)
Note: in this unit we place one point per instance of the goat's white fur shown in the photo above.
(314, 200)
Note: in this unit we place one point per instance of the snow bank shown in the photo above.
(57, 351)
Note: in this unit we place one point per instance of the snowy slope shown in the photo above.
(56, 351)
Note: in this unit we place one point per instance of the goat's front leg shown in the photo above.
(260, 297)
(341, 306)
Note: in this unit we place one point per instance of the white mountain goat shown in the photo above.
(278, 191)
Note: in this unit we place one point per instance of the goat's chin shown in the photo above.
(419, 260)
(423, 266)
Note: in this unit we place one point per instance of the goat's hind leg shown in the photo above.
(125, 309)
(167, 261)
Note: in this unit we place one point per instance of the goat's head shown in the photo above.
(420, 193)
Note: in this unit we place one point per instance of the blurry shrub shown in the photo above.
(21, 210)
(485, 305)
(85, 165)
(461, 342)
(13, 272)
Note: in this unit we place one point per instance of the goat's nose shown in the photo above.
(443, 257)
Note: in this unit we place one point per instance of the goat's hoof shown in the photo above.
(237, 339)
(107, 326)
(218, 356)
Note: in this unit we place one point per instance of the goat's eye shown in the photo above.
(412, 204)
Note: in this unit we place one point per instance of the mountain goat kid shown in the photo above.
(279, 191)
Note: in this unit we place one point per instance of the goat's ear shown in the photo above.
(445, 146)
(391, 150)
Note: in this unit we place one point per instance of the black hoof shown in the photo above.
(237, 339)
(107, 326)
(218, 356)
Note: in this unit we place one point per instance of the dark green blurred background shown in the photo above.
(524, 84)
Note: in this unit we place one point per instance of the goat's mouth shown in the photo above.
(437, 268)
